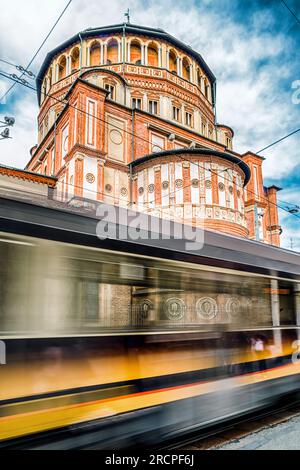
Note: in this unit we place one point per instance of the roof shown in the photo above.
(227, 127)
(27, 175)
(202, 151)
(120, 28)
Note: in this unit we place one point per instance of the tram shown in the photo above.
(117, 343)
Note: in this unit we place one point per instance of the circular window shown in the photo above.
(221, 186)
(141, 190)
(195, 183)
(123, 191)
(90, 178)
(108, 188)
(165, 184)
(151, 188)
(178, 183)
(208, 184)
(206, 308)
(174, 309)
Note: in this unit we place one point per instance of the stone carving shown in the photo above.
(90, 178)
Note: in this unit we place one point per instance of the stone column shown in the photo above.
(178, 63)
(100, 179)
(142, 54)
(102, 54)
(146, 54)
(56, 72)
(191, 73)
(105, 54)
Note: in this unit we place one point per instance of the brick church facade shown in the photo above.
(127, 116)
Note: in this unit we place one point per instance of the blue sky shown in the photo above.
(252, 46)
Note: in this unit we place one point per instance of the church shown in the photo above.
(127, 117)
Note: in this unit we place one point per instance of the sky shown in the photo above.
(252, 46)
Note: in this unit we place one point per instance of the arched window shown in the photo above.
(186, 69)
(207, 89)
(49, 78)
(95, 52)
(75, 59)
(44, 89)
(62, 68)
(135, 52)
(172, 62)
(152, 55)
(112, 52)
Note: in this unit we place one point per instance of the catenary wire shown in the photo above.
(38, 50)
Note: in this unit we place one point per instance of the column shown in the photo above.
(160, 56)
(192, 73)
(56, 72)
(146, 55)
(157, 185)
(100, 179)
(142, 54)
(102, 54)
(88, 57)
(105, 54)
(178, 64)
(186, 178)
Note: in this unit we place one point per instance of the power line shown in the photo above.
(279, 140)
(291, 11)
(38, 50)
(238, 163)
(141, 138)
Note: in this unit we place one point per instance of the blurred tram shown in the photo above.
(117, 343)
